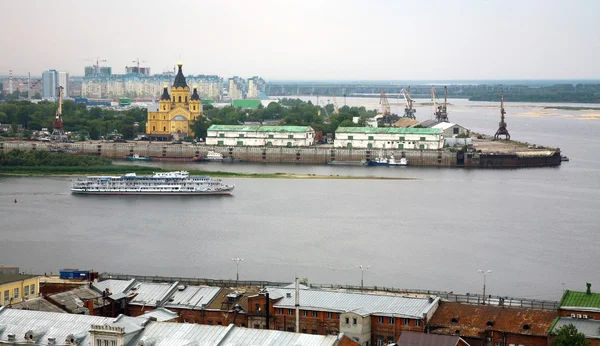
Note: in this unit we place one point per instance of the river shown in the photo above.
(534, 228)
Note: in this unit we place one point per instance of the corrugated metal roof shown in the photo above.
(590, 328)
(161, 314)
(73, 300)
(49, 324)
(323, 300)
(442, 126)
(389, 130)
(263, 128)
(149, 294)
(193, 297)
(115, 286)
(177, 334)
(37, 304)
(421, 339)
(429, 122)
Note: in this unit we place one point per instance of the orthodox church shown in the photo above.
(174, 117)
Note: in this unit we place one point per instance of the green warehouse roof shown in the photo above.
(580, 299)
(264, 128)
(390, 130)
(246, 103)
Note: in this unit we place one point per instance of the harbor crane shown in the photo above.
(97, 65)
(388, 118)
(502, 130)
(58, 131)
(440, 111)
(137, 61)
(336, 110)
(409, 111)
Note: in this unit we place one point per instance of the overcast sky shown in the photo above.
(309, 39)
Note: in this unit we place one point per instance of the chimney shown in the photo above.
(11, 337)
(589, 288)
(51, 341)
(89, 304)
(297, 306)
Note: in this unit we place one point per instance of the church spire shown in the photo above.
(180, 78)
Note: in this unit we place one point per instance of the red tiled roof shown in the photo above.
(473, 320)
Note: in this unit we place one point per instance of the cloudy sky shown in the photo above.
(309, 39)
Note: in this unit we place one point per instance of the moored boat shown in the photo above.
(136, 157)
(213, 156)
(387, 161)
(178, 183)
(176, 158)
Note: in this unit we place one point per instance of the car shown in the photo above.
(120, 140)
(70, 141)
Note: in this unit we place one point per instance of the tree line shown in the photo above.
(39, 158)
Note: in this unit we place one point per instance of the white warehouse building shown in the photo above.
(260, 136)
(388, 138)
(451, 130)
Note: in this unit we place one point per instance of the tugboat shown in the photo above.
(384, 161)
(136, 157)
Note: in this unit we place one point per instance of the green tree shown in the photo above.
(200, 127)
(569, 336)
(37, 96)
(3, 118)
(127, 131)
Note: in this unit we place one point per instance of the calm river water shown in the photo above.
(535, 228)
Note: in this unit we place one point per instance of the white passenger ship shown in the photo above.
(168, 183)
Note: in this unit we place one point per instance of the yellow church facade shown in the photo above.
(176, 112)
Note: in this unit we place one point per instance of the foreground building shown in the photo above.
(580, 305)
(260, 136)
(175, 114)
(484, 325)
(370, 319)
(48, 328)
(589, 328)
(388, 138)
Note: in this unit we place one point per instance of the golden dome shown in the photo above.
(179, 63)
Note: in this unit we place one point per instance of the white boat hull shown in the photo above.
(152, 193)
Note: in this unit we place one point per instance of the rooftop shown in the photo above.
(322, 300)
(161, 315)
(37, 304)
(263, 128)
(472, 320)
(246, 103)
(8, 278)
(114, 286)
(422, 339)
(590, 328)
(193, 297)
(583, 301)
(152, 294)
(389, 130)
(73, 300)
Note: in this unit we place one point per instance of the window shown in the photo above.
(370, 146)
(220, 143)
(290, 312)
(498, 343)
(269, 144)
(390, 339)
(380, 319)
(290, 136)
(164, 108)
(209, 323)
(186, 99)
(418, 323)
(304, 313)
(455, 130)
(391, 320)
(370, 138)
(164, 128)
(256, 326)
(400, 146)
(314, 331)
(350, 137)
(349, 145)
(240, 142)
(406, 322)
(315, 314)
(164, 117)
(98, 342)
(347, 320)
(289, 144)
(113, 343)
(194, 107)
(105, 342)
(421, 146)
(354, 321)
(153, 128)
(179, 99)
(6, 295)
(271, 136)
(304, 330)
(26, 290)
(196, 321)
(220, 323)
(401, 139)
(280, 311)
(16, 293)
(173, 98)
(421, 138)
(329, 315)
(222, 135)
(380, 341)
(241, 135)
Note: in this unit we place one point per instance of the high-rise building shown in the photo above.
(145, 71)
(50, 82)
(95, 70)
(63, 81)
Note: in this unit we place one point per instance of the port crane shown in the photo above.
(336, 110)
(137, 61)
(58, 131)
(385, 104)
(440, 111)
(409, 111)
(97, 65)
(502, 131)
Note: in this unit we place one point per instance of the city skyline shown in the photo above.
(310, 40)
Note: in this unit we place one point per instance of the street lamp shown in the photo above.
(237, 269)
(485, 273)
(362, 274)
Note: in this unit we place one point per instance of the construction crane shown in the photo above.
(97, 65)
(58, 131)
(137, 61)
(409, 111)
(502, 131)
(440, 111)
(336, 110)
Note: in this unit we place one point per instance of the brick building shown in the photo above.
(485, 325)
(581, 305)
(422, 339)
(370, 319)
(589, 328)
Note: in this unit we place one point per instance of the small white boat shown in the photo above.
(213, 156)
(385, 161)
